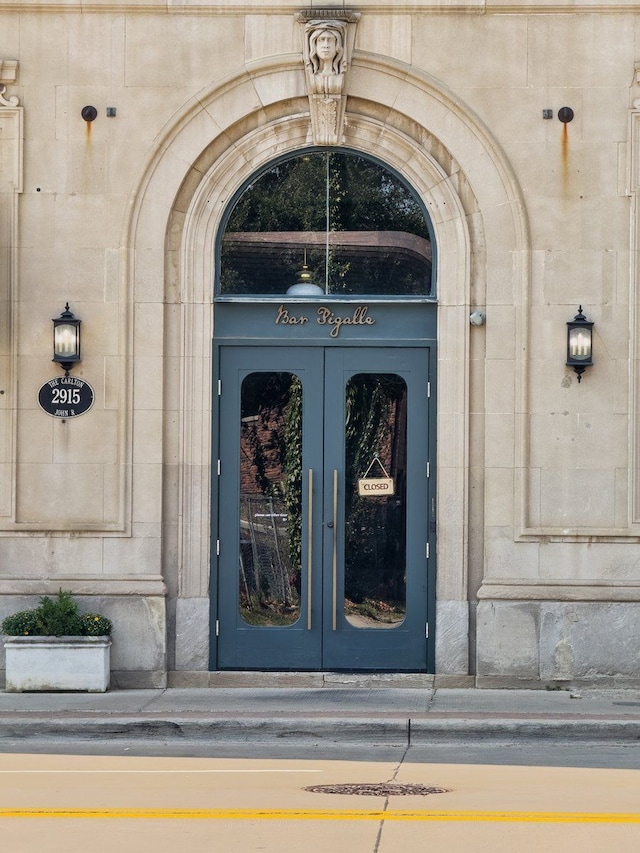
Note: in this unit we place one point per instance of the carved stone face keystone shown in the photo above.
(327, 48)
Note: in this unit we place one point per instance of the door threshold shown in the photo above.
(312, 680)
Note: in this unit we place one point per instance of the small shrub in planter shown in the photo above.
(94, 625)
(57, 617)
(54, 647)
(22, 624)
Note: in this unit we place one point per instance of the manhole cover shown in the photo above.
(379, 789)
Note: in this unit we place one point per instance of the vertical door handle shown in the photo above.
(309, 546)
(335, 550)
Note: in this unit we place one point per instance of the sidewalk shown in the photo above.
(398, 716)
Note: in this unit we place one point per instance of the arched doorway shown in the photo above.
(231, 130)
(325, 423)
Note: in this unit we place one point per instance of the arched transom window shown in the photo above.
(326, 223)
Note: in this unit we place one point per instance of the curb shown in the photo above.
(241, 730)
(426, 731)
(394, 732)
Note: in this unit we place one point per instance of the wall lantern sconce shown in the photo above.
(579, 343)
(66, 339)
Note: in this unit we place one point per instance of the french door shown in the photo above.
(325, 508)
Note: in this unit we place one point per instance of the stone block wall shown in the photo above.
(538, 488)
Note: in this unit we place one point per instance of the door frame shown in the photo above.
(398, 324)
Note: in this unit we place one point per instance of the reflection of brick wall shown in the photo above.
(397, 440)
(385, 448)
(264, 431)
(392, 446)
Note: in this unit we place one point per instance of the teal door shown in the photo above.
(325, 508)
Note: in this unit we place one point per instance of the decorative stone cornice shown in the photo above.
(347, 15)
(8, 74)
(327, 47)
(8, 70)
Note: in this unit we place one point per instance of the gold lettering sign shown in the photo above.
(286, 319)
(326, 317)
(358, 318)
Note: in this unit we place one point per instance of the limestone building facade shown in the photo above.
(515, 127)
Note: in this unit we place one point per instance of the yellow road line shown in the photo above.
(309, 814)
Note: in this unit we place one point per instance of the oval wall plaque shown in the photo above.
(66, 397)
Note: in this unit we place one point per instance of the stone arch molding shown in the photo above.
(203, 156)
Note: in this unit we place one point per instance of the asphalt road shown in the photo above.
(124, 802)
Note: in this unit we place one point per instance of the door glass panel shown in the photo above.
(375, 526)
(269, 571)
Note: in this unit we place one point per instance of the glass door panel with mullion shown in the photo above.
(270, 427)
(375, 463)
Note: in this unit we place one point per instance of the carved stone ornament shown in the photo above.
(328, 39)
(8, 73)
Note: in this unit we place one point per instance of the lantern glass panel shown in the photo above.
(580, 343)
(66, 340)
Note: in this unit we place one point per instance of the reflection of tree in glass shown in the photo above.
(293, 476)
(375, 549)
(318, 193)
(270, 498)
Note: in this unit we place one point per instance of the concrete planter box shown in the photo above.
(57, 663)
